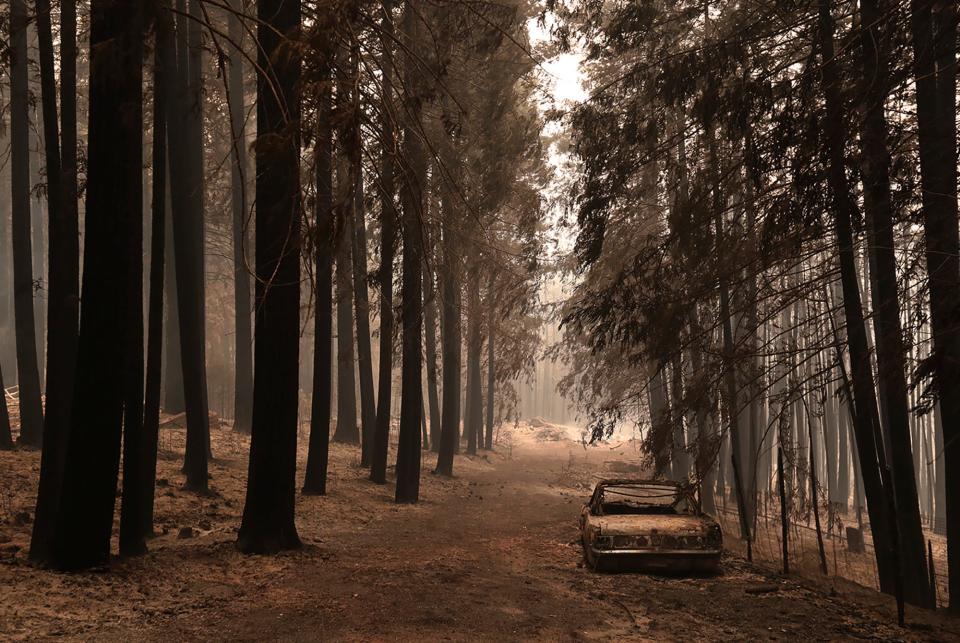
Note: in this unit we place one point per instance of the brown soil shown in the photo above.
(492, 554)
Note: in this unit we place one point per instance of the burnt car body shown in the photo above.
(648, 525)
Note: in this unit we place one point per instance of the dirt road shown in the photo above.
(491, 555)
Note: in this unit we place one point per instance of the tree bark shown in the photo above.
(890, 352)
(163, 49)
(784, 520)
(467, 413)
(706, 460)
(430, 344)
(730, 390)
(8, 350)
(173, 401)
(412, 194)
(361, 304)
(679, 463)
(64, 275)
(450, 341)
(864, 397)
(491, 353)
(752, 388)
(132, 533)
(424, 436)
(815, 493)
(28, 373)
(38, 231)
(474, 416)
(187, 189)
(83, 524)
(63, 255)
(388, 217)
(315, 478)
(659, 411)
(243, 341)
(68, 141)
(268, 513)
(718, 202)
(934, 38)
(346, 384)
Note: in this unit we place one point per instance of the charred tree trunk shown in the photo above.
(243, 341)
(346, 384)
(163, 49)
(679, 461)
(467, 412)
(38, 232)
(63, 267)
(361, 304)
(934, 34)
(388, 217)
(64, 291)
(315, 478)
(864, 398)
(890, 351)
(132, 533)
(491, 353)
(173, 370)
(729, 362)
(28, 373)
(84, 521)
(430, 342)
(450, 342)
(8, 349)
(412, 195)
(268, 513)
(352, 140)
(732, 404)
(68, 148)
(411, 395)
(940, 517)
(753, 385)
(424, 436)
(347, 168)
(474, 418)
(815, 491)
(187, 188)
(784, 520)
(705, 463)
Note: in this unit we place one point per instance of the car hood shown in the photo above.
(647, 523)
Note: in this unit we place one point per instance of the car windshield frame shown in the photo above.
(643, 490)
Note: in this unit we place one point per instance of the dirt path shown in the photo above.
(497, 558)
(491, 555)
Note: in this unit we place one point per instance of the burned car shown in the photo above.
(648, 525)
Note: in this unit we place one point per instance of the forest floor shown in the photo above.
(492, 554)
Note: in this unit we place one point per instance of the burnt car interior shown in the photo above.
(639, 499)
